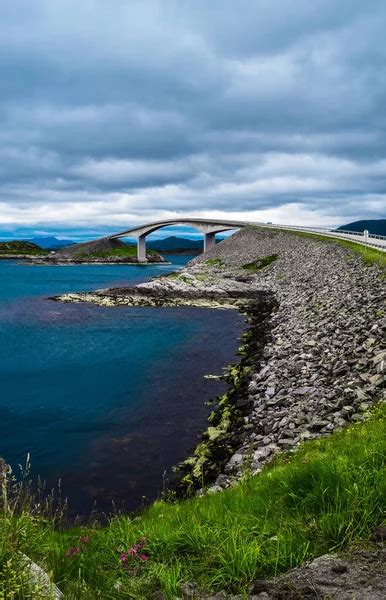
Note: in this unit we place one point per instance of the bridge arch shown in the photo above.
(207, 227)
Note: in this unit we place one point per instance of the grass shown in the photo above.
(326, 496)
(179, 277)
(129, 252)
(21, 247)
(260, 263)
(370, 256)
(215, 262)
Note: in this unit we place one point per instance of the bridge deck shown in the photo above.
(212, 226)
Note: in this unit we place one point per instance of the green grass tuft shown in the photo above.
(215, 262)
(324, 497)
(260, 263)
(129, 252)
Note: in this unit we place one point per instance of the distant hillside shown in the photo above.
(106, 250)
(20, 247)
(176, 244)
(51, 242)
(101, 248)
(375, 226)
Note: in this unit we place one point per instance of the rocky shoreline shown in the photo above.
(89, 260)
(321, 366)
(63, 261)
(28, 257)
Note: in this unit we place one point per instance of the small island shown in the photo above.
(104, 251)
(21, 250)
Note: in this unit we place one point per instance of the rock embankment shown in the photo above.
(323, 365)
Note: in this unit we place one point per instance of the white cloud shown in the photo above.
(157, 109)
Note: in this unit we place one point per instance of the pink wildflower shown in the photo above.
(135, 553)
(144, 557)
(84, 539)
(72, 551)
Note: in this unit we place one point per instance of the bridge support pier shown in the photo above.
(209, 241)
(141, 249)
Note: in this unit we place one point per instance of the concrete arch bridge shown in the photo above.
(209, 228)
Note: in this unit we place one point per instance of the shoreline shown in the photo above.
(312, 364)
(39, 261)
(287, 387)
(19, 256)
(99, 261)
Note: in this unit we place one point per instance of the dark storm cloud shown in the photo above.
(116, 113)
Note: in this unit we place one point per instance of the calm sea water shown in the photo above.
(106, 399)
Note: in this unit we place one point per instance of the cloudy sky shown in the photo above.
(116, 113)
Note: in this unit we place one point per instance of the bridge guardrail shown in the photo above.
(339, 234)
(371, 235)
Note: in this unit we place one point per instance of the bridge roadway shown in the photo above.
(209, 228)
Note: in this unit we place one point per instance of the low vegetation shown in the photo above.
(179, 277)
(21, 247)
(126, 252)
(325, 497)
(260, 263)
(215, 262)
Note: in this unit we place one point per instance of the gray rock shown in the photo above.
(37, 575)
(270, 391)
(222, 480)
(234, 462)
(261, 453)
(284, 442)
(318, 424)
(301, 391)
(359, 576)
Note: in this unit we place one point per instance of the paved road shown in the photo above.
(373, 241)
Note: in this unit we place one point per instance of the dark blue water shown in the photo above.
(106, 399)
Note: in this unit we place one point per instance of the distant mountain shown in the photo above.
(374, 226)
(51, 242)
(176, 244)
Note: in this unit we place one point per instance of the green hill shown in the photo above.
(21, 247)
(374, 226)
(176, 244)
(106, 249)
